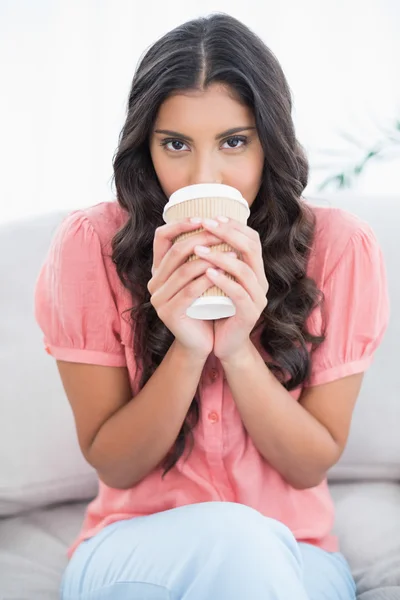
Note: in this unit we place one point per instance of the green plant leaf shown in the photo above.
(338, 181)
(345, 179)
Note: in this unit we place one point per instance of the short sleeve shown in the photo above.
(356, 310)
(74, 303)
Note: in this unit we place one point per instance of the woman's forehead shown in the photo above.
(215, 105)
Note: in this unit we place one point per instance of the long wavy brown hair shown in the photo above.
(201, 52)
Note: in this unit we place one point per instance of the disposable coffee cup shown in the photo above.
(208, 200)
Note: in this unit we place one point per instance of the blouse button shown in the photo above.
(214, 374)
(213, 417)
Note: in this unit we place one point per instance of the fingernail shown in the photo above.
(223, 219)
(196, 220)
(202, 250)
(210, 222)
(213, 272)
(232, 254)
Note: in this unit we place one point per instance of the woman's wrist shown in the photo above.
(190, 355)
(240, 357)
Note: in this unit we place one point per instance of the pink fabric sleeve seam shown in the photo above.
(112, 359)
(343, 370)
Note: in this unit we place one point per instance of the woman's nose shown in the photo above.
(205, 172)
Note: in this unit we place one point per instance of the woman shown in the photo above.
(211, 440)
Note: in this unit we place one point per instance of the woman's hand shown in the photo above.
(248, 293)
(175, 284)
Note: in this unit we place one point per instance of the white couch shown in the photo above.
(45, 483)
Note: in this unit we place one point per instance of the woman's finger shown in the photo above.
(246, 307)
(179, 253)
(182, 277)
(245, 229)
(166, 234)
(179, 303)
(241, 271)
(244, 239)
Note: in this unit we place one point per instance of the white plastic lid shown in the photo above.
(211, 308)
(205, 190)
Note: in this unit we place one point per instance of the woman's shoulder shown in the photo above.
(105, 218)
(90, 230)
(82, 243)
(78, 289)
(338, 232)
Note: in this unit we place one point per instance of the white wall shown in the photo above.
(67, 65)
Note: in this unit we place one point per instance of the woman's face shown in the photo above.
(192, 143)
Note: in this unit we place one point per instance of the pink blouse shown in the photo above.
(79, 301)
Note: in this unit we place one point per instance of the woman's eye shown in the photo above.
(236, 142)
(176, 145)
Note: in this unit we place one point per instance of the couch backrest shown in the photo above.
(373, 449)
(40, 460)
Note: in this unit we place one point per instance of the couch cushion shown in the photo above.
(33, 551)
(33, 545)
(368, 526)
(40, 461)
(385, 593)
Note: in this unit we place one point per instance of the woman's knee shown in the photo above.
(230, 518)
(237, 528)
(240, 548)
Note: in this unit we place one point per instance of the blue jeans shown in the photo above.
(206, 551)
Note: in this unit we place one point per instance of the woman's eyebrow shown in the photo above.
(189, 139)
